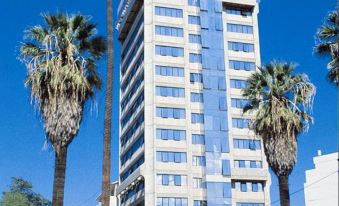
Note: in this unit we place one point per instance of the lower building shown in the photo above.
(113, 198)
(321, 186)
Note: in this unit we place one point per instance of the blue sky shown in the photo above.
(287, 31)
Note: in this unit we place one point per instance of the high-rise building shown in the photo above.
(183, 138)
(321, 185)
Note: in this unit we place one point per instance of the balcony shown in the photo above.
(127, 12)
(135, 199)
(137, 174)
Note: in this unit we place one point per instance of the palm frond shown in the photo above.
(282, 104)
(30, 49)
(97, 46)
(328, 45)
(327, 31)
(333, 18)
(37, 33)
(62, 75)
(333, 71)
(323, 48)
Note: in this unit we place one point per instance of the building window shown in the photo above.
(170, 12)
(242, 65)
(167, 112)
(249, 204)
(194, 20)
(255, 187)
(240, 123)
(221, 83)
(197, 97)
(174, 157)
(198, 183)
(194, 3)
(222, 104)
(246, 144)
(195, 58)
(200, 203)
(247, 164)
(169, 71)
(243, 187)
(169, 51)
(171, 134)
(249, 186)
(238, 83)
(199, 161)
(171, 180)
(239, 28)
(195, 77)
(169, 91)
(235, 10)
(239, 46)
(197, 118)
(169, 31)
(239, 103)
(226, 168)
(198, 139)
(194, 38)
(171, 201)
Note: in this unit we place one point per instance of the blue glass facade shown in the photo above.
(215, 114)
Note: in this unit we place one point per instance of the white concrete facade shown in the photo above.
(321, 186)
(113, 198)
(146, 174)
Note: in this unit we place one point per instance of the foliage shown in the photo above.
(281, 102)
(328, 45)
(14, 199)
(21, 194)
(60, 59)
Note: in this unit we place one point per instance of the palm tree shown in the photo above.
(106, 174)
(281, 102)
(328, 36)
(60, 57)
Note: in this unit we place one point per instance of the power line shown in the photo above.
(303, 188)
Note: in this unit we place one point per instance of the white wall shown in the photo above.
(321, 186)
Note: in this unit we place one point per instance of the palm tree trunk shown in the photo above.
(108, 108)
(284, 191)
(59, 176)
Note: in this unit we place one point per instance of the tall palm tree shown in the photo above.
(281, 102)
(60, 57)
(328, 37)
(106, 174)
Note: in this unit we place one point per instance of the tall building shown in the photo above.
(183, 138)
(321, 186)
